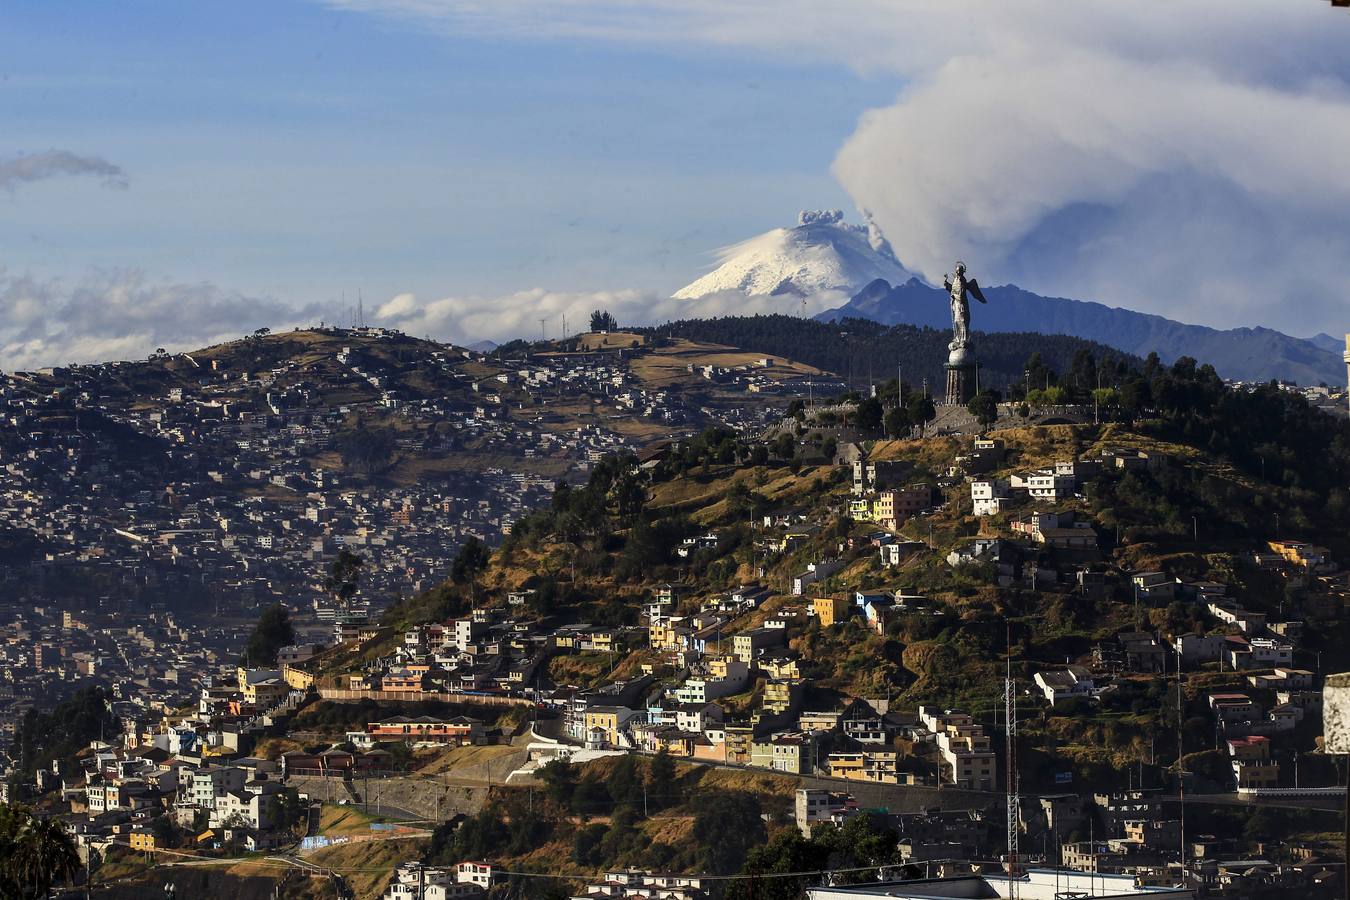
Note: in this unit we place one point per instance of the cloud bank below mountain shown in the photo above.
(470, 318)
(122, 314)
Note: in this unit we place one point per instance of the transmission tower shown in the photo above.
(1010, 754)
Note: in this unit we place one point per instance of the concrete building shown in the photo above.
(1037, 884)
(814, 805)
(830, 610)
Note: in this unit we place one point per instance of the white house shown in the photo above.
(1046, 484)
(1061, 684)
(814, 572)
(990, 496)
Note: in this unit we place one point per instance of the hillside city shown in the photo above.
(621, 616)
(649, 450)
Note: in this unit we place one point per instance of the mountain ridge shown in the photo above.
(1245, 354)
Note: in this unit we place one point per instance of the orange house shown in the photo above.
(831, 610)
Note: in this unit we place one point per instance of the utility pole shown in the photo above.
(1181, 771)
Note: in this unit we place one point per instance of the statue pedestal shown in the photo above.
(960, 383)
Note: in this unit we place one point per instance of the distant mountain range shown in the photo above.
(825, 258)
(1246, 354)
(1327, 342)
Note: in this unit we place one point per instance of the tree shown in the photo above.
(984, 407)
(630, 493)
(64, 731)
(291, 810)
(35, 853)
(624, 784)
(898, 422)
(726, 825)
(789, 851)
(921, 410)
(471, 559)
(560, 780)
(601, 320)
(165, 832)
(869, 414)
(273, 631)
(586, 845)
(344, 576)
(661, 787)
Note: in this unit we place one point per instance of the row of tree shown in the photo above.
(862, 350)
(41, 737)
(35, 854)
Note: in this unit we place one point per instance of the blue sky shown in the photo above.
(294, 150)
(175, 172)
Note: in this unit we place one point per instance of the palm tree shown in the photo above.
(46, 854)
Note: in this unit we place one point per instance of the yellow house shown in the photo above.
(784, 669)
(830, 610)
(666, 636)
(720, 666)
(266, 693)
(297, 678)
(1300, 553)
(609, 719)
(672, 741)
(737, 744)
(778, 696)
(877, 766)
(144, 839)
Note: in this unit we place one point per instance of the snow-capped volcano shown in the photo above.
(822, 253)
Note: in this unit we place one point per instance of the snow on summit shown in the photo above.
(821, 254)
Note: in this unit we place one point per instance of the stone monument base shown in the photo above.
(960, 383)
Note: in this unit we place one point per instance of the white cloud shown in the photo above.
(54, 163)
(122, 314)
(1165, 188)
(467, 319)
(1180, 158)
